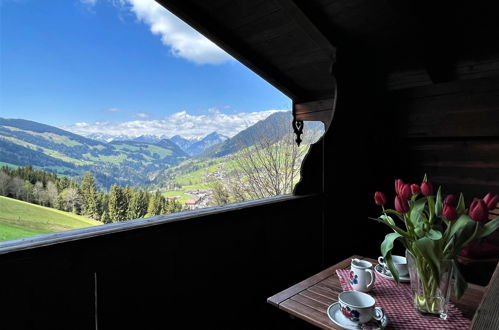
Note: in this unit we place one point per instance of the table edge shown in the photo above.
(282, 296)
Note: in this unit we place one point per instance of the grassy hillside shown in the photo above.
(24, 142)
(20, 219)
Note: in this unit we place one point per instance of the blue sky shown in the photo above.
(122, 66)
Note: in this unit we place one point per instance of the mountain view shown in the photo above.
(117, 110)
(54, 168)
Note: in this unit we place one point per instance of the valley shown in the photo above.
(138, 176)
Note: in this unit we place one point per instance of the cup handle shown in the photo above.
(371, 283)
(381, 260)
(378, 313)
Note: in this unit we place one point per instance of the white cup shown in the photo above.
(361, 275)
(399, 262)
(359, 307)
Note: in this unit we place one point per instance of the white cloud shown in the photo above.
(182, 40)
(89, 2)
(142, 115)
(182, 123)
(113, 110)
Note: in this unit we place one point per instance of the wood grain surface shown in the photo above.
(309, 299)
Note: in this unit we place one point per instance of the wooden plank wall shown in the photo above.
(211, 272)
(451, 132)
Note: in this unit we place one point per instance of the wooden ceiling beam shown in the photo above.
(197, 17)
(294, 11)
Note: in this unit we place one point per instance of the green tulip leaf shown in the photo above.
(399, 215)
(394, 227)
(462, 222)
(488, 228)
(465, 233)
(448, 246)
(419, 230)
(431, 208)
(460, 204)
(460, 284)
(416, 212)
(386, 252)
(428, 250)
(387, 245)
(388, 219)
(438, 203)
(391, 266)
(434, 234)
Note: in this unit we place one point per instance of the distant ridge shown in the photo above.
(274, 127)
(25, 142)
(194, 147)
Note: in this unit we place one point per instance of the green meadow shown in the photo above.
(20, 219)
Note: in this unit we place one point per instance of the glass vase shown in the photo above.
(430, 293)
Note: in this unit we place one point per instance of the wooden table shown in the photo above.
(310, 298)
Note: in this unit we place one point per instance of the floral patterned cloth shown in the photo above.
(396, 302)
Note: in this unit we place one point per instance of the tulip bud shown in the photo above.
(449, 212)
(405, 191)
(479, 211)
(491, 201)
(401, 205)
(450, 200)
(426, 189)
(415, 189)
(398, 184)
(379, 198)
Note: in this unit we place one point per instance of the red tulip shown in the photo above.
(449, 212)
(401, 205)
(415, 189)
(479, 211)
(398, 184)
(405, 191)
(426, 189)
(491, 201)
(450, 200)
(479, 249)
(379, 198)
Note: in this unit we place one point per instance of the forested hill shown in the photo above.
(24, 142)
(274, 128)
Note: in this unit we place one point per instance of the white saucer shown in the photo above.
(380, 270)
(335, 315)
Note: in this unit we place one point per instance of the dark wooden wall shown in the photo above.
(211, 272)
(451, 132)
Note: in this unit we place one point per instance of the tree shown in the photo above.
(220, 194)
(102, 202)
(89, 195)
(16, 187)
(72, 199)
(105, 217)
(128, 195)
(60, 202)
(4, 183)
(154, 207)
(170, 206)
(52, 193)
(138, 205)
(39, 193)
(117, 207)
(267, 168)
(27, 192)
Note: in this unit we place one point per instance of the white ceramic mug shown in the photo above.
(359, 307)
(399, 262)
(361, 275)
